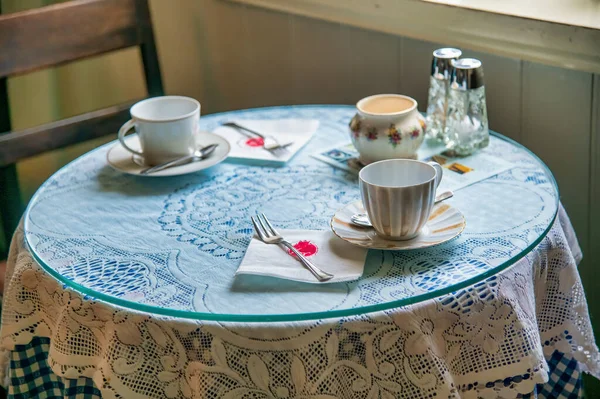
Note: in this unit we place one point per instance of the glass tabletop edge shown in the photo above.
(296, 317)
(251, 318)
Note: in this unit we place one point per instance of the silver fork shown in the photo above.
(269, 143)
(269, 235)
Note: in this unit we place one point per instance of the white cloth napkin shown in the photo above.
(298, 131)
(328, 252)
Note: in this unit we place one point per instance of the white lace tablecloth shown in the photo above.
(490, 340)
(167, 246)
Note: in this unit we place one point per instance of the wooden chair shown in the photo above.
(55, 35)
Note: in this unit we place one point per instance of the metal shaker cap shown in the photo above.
(467, 74)
(441, 66)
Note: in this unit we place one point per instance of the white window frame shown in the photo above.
(568, 38)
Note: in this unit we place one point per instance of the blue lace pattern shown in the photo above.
(175, 243)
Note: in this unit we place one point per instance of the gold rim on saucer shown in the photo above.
(445, 223)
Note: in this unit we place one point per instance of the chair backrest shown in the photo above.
(56, 35)
(62, 33)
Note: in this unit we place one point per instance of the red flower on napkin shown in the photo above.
(306, 248)
(255, 142)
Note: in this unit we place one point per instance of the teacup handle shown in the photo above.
(439, 172)
(130, 124)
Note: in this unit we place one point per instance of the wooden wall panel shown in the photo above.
(556, 125)
(189, 48)
(595, 173)
(589, 268)
(267, 38)
(321, 68)
(592, 255)
(374, 63)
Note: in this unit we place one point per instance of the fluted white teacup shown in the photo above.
(398, 195)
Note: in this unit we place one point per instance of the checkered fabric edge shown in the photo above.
(564, 379)
(31, 377)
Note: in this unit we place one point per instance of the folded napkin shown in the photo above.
(243, 146)
(326, 251)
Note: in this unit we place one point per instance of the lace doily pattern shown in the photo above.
(172, 246)
(213, 216)
(490, 340)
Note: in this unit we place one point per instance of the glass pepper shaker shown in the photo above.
(437, 104)
(466, 121)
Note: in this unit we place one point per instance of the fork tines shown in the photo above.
(263, 227)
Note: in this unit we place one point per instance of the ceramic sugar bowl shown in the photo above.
(387, 126)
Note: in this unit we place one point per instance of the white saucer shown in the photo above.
(444, 224)
(124, 161)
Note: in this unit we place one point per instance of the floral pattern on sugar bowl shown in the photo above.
(387, 135)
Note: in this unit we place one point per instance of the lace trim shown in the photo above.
(486, 341)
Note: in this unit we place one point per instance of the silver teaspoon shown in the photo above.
(199, 154)
(362, 219)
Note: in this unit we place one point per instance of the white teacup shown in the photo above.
(166, 126)
(398, 195)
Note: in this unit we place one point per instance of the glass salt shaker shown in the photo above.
(466, 121)
(437, 104)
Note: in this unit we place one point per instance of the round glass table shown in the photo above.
(171, 245)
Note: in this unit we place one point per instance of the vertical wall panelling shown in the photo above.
(191, 49)
(268, 44)
(401, 65)
(321, 68)
(556, 126)
(224, 57)
(592, 257)
(595, 175)
(268, 37)
(593, 254)
(374, 63)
